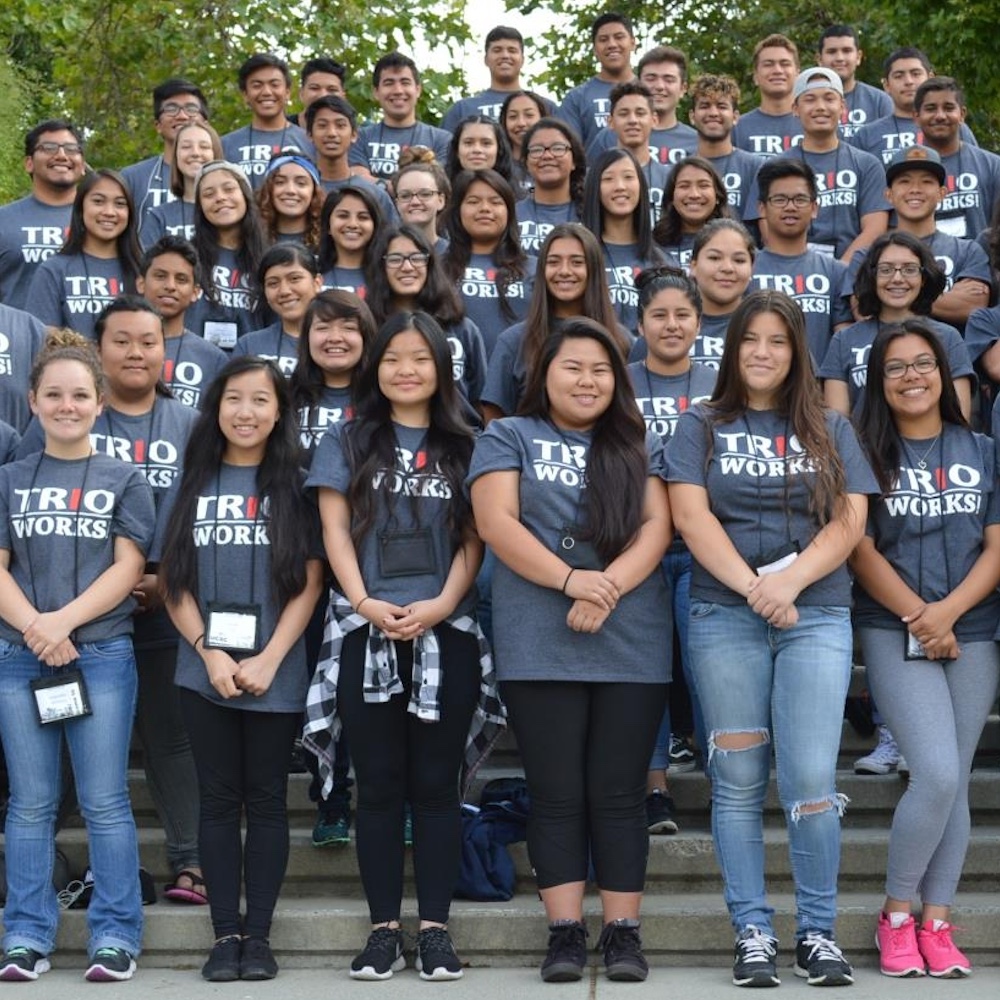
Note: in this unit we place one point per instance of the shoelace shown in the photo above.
(619, 938)
(435, 939)
(570, 934)
(383, 939)
(821, 948)
(757, 947)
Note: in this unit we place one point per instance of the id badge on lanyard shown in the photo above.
(60, 697)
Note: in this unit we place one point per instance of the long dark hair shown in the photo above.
(127, 244)
(307, 381)
(670, 228)
(594, 211)
(370, 440)
(876, 423)
(279, 255)
(596, 297)
(800, 398)
(932, 279)
(327, 248)
(278, 479)
(438, 296)
(579, 172)
(206, 240)
(511, 261)
(537, 99)
(617, 464)
(504, 164)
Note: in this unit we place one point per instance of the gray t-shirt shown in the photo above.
(175, 218)
(390, 216)
(767, 135)
(149, 184)
(930, 527)
(862, 105)
(622, 264)
(347, 279)
(758, 481)
(334, 407)
(663, 398)
(59, 520)
(272, 343)
(468, 358)
(535, 221)
(190, 364)
(481, 297)
(706, 349)
(21, 338)
(231, 312)
(233, 551)
(847, 357)
(982, 331)
(379, 145)
(30, 232)
(252, 149)
(972, 178)
(738, 171)
(587, 108)
(532, 641)
(884, 137)
(420, 500)
(72, 289)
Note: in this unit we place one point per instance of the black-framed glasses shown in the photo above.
(173, 109)
(906, 270)
(784, 200)
(396, 260)
(557, 149)
(424, 194)
(50, 148)
(923, 365)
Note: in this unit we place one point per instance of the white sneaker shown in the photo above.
(884, 759)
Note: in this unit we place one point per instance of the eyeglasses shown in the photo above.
(396, 260)
(784, 200)
(51, 148)
(906, 270)
(424, 194)
(557, 149)
(173, 109)
(924, 365)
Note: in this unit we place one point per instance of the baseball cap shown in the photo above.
(915, 158)
(817, 78)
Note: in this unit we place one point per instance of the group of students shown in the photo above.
(658, 456)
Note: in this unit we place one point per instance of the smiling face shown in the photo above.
(408, 279)
(613, 46)
(940, 117)
(320, 84)
(407, 375)
(789, 220)
(477, 147)
(132, 353)
(66, 404)
(418, 200)
(56, 171)
(765, 359)
(915, 195)
(332, 133)
(722, 270)
(620, 188)
(669, 325)
(713, 117)
(193, 149)
(266, 92)
(397, 92)
(550, 158)
(774, 72)
(248, 413)
(522, 113)
(579, 383)
(292, 190)
(289, 288)
(168, 284)
(841, 54)
(665, 82)
(336, 346)
(915, 394)
(819, 111)
(484, 216)
(694, 198)
(565, 273)
(898, 279)
(351, 226)
(632, 121)
(222, 201)
(105, 212)
(504, 59)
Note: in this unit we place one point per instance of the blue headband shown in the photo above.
(304, 162)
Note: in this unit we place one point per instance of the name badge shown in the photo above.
(406, 553)
(223, 335)
(232, 627)
(827, 249)
(60, 697)
(913, 648)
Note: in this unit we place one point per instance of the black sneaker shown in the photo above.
(660, 813)
(436, 958)
(624, 961)
(223, 965)
(682, 755)
(22, 965)
(567, 954)
(755, 962)
(257, 960)
(110, 965)
(383, 955)
(820, 962)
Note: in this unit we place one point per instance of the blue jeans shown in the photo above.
(98, 747)
(788, 685)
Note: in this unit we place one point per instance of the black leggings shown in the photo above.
(585, 749)
(399, 759)
(242, 761)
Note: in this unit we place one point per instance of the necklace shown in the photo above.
(921, 462)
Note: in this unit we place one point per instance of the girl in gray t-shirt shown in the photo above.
(75, 525)
(927, 609)
(238, 548)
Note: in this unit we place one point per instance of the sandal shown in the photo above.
(193, 894)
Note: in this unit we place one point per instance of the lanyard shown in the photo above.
(215, 545)
(760, 500)
(921, 463)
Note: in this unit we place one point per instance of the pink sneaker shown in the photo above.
(899, 955)
(944, 960)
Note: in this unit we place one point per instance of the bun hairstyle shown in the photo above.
(63, 344)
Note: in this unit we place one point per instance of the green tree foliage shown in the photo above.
(96, 61)
(13, 95)
(720, 36)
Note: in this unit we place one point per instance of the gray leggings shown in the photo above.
(937, 711)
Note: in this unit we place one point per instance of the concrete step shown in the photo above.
(681, 863)
(678, 929)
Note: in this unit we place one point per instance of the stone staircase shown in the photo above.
(322, 918)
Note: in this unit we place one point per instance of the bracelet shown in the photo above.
(357, 610)
(568, 575)
(195, 643)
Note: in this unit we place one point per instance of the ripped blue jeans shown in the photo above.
(786, 686)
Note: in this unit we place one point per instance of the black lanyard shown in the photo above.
(752, 451)
(215, 546)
